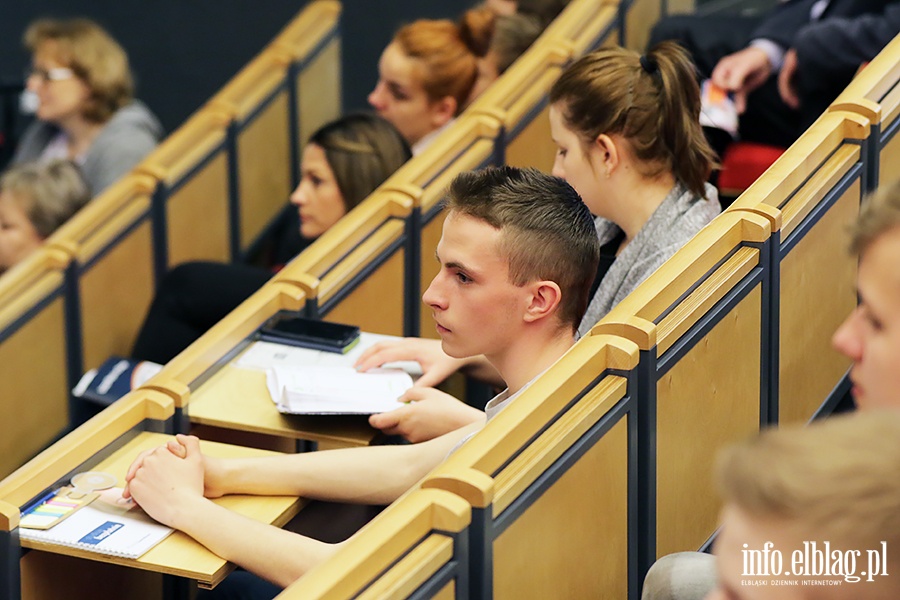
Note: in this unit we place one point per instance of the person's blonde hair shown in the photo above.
(653, 101)
(837, 479)
(879, 214)
(95, 58)
(48, 193)
(448, 52)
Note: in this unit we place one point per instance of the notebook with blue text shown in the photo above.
(108, 525)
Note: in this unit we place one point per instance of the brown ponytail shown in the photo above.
(653, 101)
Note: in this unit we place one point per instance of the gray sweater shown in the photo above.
(675, 221)
(129, 136)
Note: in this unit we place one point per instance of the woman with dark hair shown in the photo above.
(85, 111)
(342, 163)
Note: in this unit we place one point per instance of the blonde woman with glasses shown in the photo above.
(85, 112)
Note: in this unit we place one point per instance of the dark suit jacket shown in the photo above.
(831, 49)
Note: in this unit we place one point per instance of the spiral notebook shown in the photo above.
(108, 525)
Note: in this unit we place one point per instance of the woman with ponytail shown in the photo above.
(629, 141)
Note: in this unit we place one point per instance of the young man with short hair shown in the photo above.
(518, 253)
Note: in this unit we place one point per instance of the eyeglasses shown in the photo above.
(54, 74)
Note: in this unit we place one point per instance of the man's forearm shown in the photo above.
(368, 475)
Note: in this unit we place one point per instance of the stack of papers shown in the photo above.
(336, 390)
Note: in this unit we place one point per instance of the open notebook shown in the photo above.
(307, 390)
(107, 525)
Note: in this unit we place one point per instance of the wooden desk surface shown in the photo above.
(180, 554)
(236, 398)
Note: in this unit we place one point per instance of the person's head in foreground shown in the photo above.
(800, 498)
(523, 240)
(426, 73)
(79, 73)
(618, 117)
(870, 336)
(35, 199)
(343, 162)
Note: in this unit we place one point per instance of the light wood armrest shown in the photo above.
(767, 211)
(105, 217)
(582, 26)
(690, 264)
(247, 90)
(349, 232)
(84, 442)
(9, 516)
(418, 172)
(207, 351)
(800, 178)
(473, 486)
(541, 402)
(307, 29)
(30, 281)
(870, 91)
(187, 147)
(375, 549)
(525, 84)
(575, 19)
(812, 149)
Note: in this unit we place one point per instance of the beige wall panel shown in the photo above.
(581, 519)
(534, 146)
(72, 581)
(889, 168)
(709, 398)
(34, 395)
(115, 295)
(818, 291)
(198, 216)
(377, 304)
(319, 91)
(264, 168)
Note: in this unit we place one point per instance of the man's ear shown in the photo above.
(442, 111)
(607, 154)
(543, 301)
